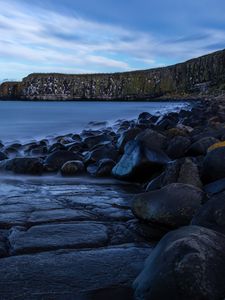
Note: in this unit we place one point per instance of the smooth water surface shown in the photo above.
(21, 120)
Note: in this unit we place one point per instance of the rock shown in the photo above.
(72, 167)
(215, 187)
(101, 169)
(94, 140)
(212, 214)
(23, 165)
(57, 159)
(3, 156)
(139, 163)
(144, 116)
(56, 146)
(184, 170)
(64, 274)
(104, 152)
(216, 145)
(201, 146)
(174, 205)
(53, 236)
(178, 146)
(127, 136)
(214, 165)
(188, 263)
(152, 139)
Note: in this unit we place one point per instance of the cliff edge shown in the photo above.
(205, 74)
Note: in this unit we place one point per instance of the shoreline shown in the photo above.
(174, 169)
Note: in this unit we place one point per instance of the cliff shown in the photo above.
(200, 75)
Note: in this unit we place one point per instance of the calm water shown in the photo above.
(29, 120)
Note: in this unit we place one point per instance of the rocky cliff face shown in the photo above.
(202, 74)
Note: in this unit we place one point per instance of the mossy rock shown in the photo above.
(216, 145)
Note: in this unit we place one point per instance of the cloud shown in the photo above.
(33, 39)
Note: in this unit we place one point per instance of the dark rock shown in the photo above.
(101, 153)
(178, 146)
(58, 158)
(64, 274)
(3, 156)
(152, 139)
(71, 168)
(188, 263)
(101, 169)
(214, 165)
(212, 214)
(127, 136)
(139, 163)
(144, 116)
(215, 187)
(23, 165)
(53, 236)
(201, 146)
(182, 171)
(56, 146)
(172, 206)
(94, 140)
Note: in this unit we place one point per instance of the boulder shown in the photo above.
(214, 165)
(100, 153)
(101, 169)
(127, 136)
(201, 146)
(174, 205)
(152, 139)
(139, 163)
(95, 140)
(215, 187)
(57, 159)
(184, 170)
(23, 165)
(188, 263)
(178, 146)
(3, 156)
(212, 214)
(216, 145)
(73, 167)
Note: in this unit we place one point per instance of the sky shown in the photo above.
(92, 36)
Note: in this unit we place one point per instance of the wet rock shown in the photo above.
(172, 206)
(152, 139)
(215, 187)
(58, 158)
(67, 273)
(23, 165)
(101, 169)
(178, 146)
(139, 163)
(201, 146)
(214, 165)
(181, 171)
(127, 136)
(180, 267)
(144, 116)
(56, 146)
(94, 140)
(53, 236)
(73, 167)
(212, 214)
(3, 156)
(104, 152)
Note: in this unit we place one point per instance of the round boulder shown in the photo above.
(212, 214)
(172, 206)
(73, 167)
(214, 165)
(188, 263)
(57, 159)
(23, 165)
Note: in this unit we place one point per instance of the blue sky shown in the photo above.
(86, 36)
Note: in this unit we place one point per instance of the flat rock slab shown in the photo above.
(65, 274)
(48, 237)
(58, 215)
